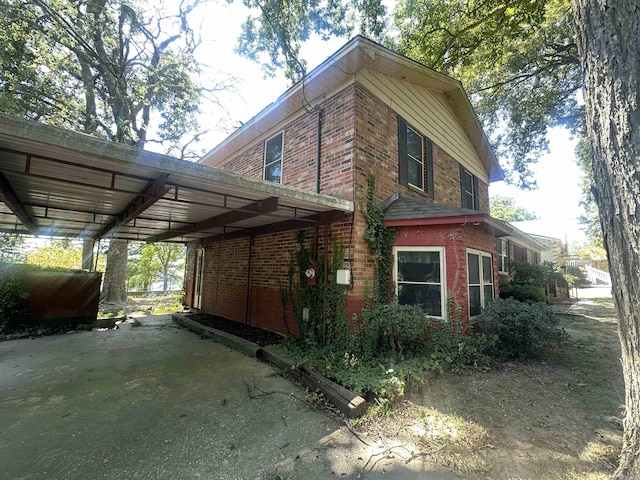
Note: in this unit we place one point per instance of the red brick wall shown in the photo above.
(377, 153)
(299, 152)
(359, 137)
(456, 239)
(224, 289)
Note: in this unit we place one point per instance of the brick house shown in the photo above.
(365, 111)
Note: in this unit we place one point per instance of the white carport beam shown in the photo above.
(259, 207)
(9, 197)
(153, 192)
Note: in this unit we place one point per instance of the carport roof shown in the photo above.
(54, 182)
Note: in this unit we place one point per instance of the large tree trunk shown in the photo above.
(608, 34)
(114, 287)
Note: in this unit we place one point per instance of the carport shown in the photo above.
(54, 182)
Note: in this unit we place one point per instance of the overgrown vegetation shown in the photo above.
(520, 329)
(12, 296)
(390, 350)
(380, 240)
(529, 281)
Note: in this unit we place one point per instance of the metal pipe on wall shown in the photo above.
(318, 140)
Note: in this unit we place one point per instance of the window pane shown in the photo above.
(467, 201)
(415, 173)
(487, 270)
(414, 145)
(467, 182)
(274, 150)
(488, 294)
(273, 159)
(474, 268)
(427, 296)
(419, 267)
(474, 301)
(273, 172)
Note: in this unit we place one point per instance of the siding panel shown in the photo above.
(431, 113)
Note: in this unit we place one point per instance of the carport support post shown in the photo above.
(87, 254)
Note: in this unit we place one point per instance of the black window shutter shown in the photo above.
(476, 201)
(428, 166)
(508, 265)
(403, 169)
(463, 193)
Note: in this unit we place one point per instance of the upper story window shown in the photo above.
(468, 189)
(273, 159)
(415, 158)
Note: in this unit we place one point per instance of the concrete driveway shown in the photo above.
(158, 402)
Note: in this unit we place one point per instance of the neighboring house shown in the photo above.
(533, 249)
(365, 111)
(517, 247)
(555, 250)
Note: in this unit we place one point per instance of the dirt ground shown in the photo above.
(554, 418)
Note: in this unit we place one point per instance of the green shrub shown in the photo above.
(520, 330)
(448, 344)
(528, 273)
(393, 329)
(12, 296)
(384, 375)
(523, 292)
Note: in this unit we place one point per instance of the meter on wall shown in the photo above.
(310, 273)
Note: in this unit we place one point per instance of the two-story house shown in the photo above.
(365, 111)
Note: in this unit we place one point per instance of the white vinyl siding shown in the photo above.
(431, 113)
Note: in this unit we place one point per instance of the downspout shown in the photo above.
(247, 308)
(318, 139)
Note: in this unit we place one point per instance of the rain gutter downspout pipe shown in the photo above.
(318, 139)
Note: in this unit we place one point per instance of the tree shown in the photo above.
(58, 254)
(505, 208)
(517, 59)
(10, 247)
(277, 28)
(590, 219)
(608, 35)
(103, 67)
(155, 262)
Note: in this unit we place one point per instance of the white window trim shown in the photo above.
(264, 157)
(481, 285)
(471, 192)
(410, 158)
(504, 243)
(443, 274)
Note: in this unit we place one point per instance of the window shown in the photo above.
(419, 277)
(415, 163)
(415, 158)
(502, 249)
(468, 189)
(480, 279)
(520, 253)
(273, 159)
(536, 257)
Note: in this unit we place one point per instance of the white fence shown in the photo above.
(596, 276)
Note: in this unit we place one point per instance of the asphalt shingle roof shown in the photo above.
(400, 207)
